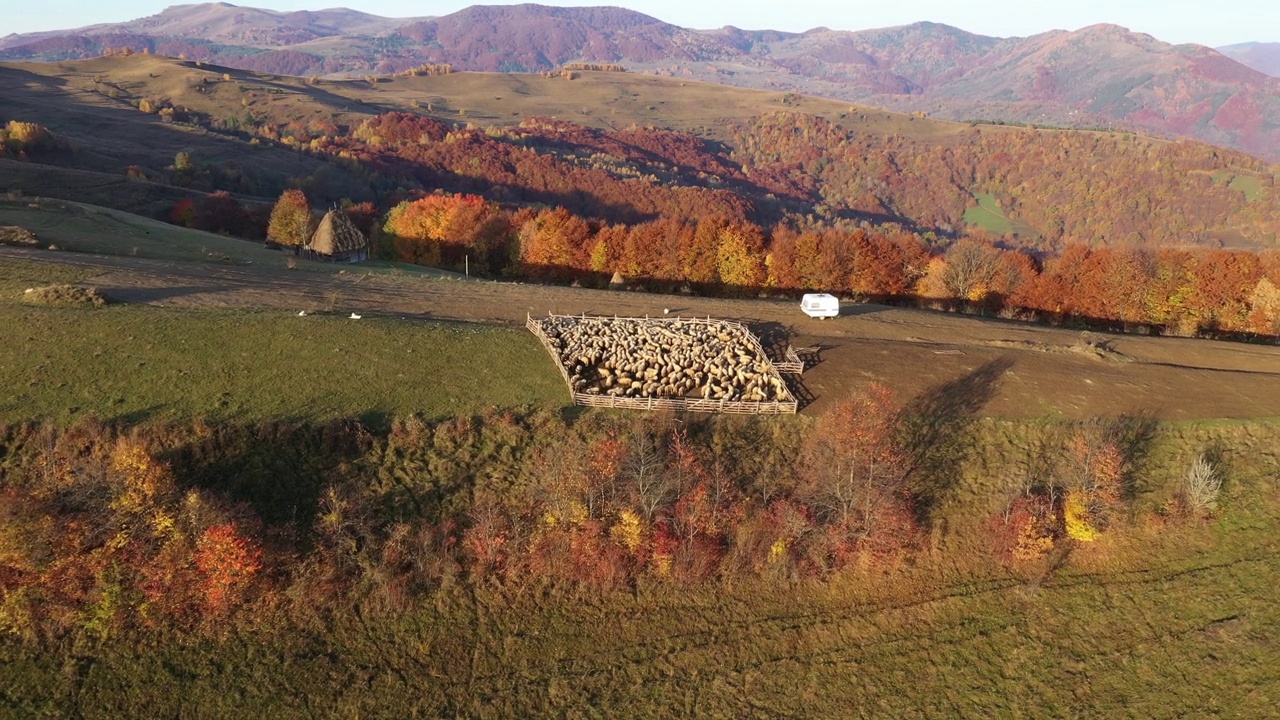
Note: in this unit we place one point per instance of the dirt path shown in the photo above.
(971, 365)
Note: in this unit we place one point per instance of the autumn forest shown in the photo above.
(1116, 232)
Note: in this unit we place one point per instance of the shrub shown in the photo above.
(183, 213)
(227, 561)
(29, 134)
(1076, 517)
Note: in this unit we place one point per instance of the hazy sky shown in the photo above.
(1178, 21)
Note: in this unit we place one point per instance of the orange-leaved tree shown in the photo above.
(854, 472)
(183, 213)
(553, 244)
(442, 229)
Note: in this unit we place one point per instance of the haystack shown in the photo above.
(337, 238)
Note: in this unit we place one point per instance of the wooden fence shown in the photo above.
(792, 364)
(735, 407)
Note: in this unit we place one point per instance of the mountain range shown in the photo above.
(1099, 76)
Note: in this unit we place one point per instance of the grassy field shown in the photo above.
(78, 227)
(85, 228)
(1249, 185)
(988, 216)
(136, 363)
(1161, 618)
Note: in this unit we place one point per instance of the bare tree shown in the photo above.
(970, 265)
(645, 473)
(1201, 486)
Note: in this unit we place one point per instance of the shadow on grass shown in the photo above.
(142, 296)
(279, 469)
(936, 432)
(775, 338)
(1133, 434)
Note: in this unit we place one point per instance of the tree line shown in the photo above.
(1177, 291)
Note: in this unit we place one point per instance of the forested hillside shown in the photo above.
(1112, 229)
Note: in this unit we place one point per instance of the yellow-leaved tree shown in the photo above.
(291, 223)
(740, 257)
(1095, 485)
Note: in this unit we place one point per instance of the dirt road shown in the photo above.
(991, 367)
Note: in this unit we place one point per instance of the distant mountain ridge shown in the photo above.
(1261, 56)
(229, 24)
(1102, 75)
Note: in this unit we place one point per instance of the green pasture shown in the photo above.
(137, 363)
(987, 215)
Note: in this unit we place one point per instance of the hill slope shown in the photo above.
(584, 145)
(1097, 76)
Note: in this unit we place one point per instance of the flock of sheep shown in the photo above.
(668, 358)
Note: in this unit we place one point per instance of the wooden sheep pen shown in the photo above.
(791, 364)
(691, 364)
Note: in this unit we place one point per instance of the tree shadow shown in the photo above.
(774, 337)
(936, 432)
(279, 469)
(1133, 434)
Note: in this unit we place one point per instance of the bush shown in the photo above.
(25, 136)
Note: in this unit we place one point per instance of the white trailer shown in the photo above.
(820, 305)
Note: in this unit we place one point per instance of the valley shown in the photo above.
(1034, 470)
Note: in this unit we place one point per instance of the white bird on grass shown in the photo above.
(355, 316)
(302, 313)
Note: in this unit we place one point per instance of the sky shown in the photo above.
(1177, 21)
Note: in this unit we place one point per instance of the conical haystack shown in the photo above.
(338, 238)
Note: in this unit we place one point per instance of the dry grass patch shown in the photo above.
(1089, 345)
(14, 235)
(63, 295)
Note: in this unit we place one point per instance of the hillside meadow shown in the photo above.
(142, 363)
(216, 516)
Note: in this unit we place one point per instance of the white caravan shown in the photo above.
(820, 305)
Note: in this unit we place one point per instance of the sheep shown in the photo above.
(662, 359)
